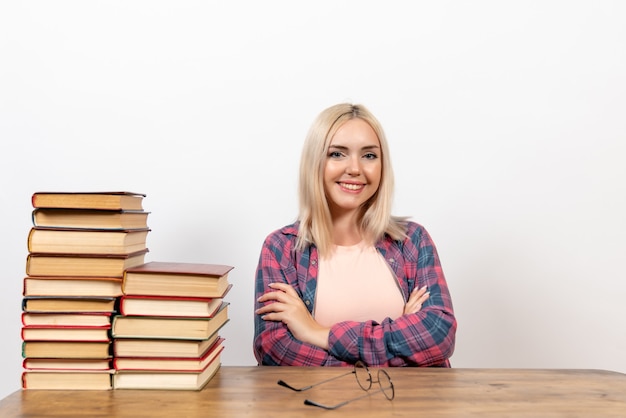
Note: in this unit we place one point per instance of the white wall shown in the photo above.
(506, 122)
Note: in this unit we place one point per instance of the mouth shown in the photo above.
(351, 186)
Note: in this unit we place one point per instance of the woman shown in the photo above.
(348, 281)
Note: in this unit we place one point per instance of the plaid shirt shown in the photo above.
(425, 338)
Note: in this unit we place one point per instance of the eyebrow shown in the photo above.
(366, 148)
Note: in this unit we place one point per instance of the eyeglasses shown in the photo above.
(364, 379)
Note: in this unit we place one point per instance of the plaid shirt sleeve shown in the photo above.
(274, 344)
(425, 338)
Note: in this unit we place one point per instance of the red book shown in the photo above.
(188, 364)
(167, 379)
(66, 364)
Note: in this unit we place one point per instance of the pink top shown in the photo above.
(356, 284)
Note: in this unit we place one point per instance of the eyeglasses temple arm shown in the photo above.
(321, 405)
(281, 382)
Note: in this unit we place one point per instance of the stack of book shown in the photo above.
(79, 247)
(166, 335)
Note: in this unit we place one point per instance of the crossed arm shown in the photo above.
(284, 305)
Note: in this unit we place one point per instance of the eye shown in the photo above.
(370, 156)
(335, 154)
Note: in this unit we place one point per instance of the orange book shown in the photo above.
(95, 265)
(89, 218)
(89, 200)
(86, 241)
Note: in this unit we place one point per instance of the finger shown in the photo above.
(278, 296)
(288, 289)
(272, 316)
(423, 298)
(419, 291)
(272, 307)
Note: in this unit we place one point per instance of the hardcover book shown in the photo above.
(62, 319)
(86, 241)
(66, 349)
(66, 364)
(142, 347)
(176, 279)
(86, 287)
(90, 219)
(94, 265)
(166, 380)
(137, 305)
(50, 333)
(169, 327)
(66, 380)
(188, 364)
(89, 200)
(70, 304)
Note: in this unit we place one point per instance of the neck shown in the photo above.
(345, 230)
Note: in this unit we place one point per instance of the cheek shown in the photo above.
(331, 171)
(374, 174)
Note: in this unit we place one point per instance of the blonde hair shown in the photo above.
(315, 220)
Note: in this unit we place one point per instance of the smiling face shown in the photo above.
(353, 167)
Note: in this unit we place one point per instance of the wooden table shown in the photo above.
(253, 392)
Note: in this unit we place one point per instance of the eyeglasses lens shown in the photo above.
(363, 376)
(384, 380)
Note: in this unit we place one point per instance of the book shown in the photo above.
(72, 286)
(66, 349)
(66, 364)
(67, 304)
(86, 241)
(89, 219)
(67, 380)
(158, 278)
(169, 327)
(138, 305)
(49, 333)
(89, 200)
(166, 380)
(34, 319)
(190, 364)
(95, 265)
(129, 347)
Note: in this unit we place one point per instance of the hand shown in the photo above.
(288, 308)
(416, 299)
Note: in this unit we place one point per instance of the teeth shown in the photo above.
(352, 186)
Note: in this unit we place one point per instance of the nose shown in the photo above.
(353, 167)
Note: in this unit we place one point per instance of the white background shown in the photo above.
(506, 120)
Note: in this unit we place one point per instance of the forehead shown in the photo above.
(355, 132)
